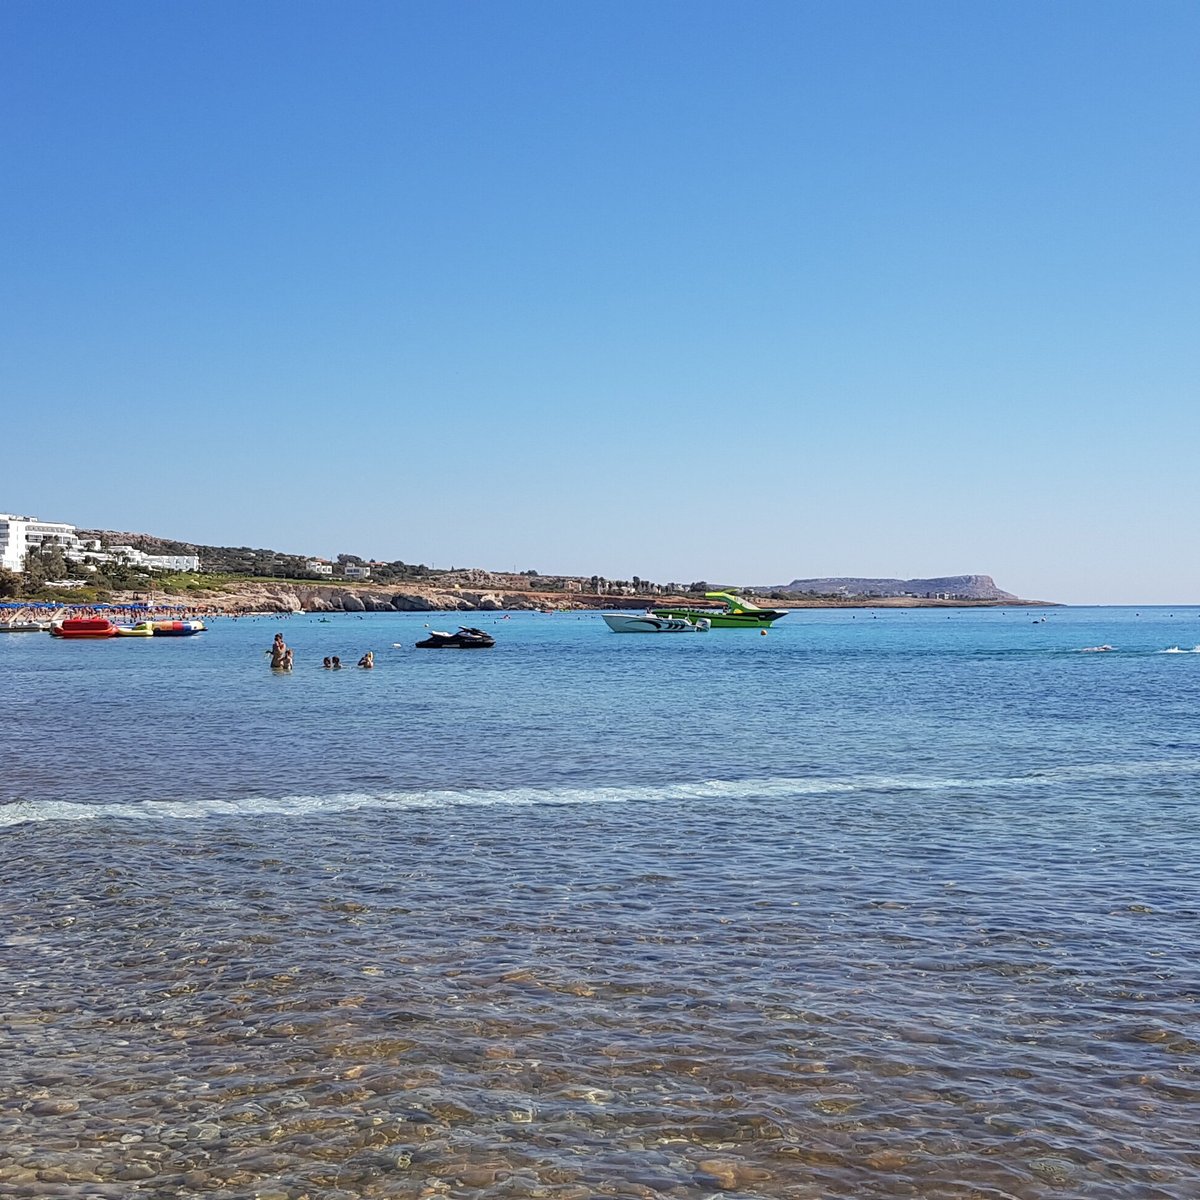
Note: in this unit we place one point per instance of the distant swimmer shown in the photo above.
(327, 662)
(1097, 649)
(335, 663)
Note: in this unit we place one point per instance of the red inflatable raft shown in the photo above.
(84, 627)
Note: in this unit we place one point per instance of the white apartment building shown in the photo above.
(19, 535)
(153, 562)
(171, 562)
(318, 566)
(353, 572)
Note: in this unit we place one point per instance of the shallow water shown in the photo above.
(869, 907)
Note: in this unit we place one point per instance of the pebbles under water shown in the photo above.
(615, 1000)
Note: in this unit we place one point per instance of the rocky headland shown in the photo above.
(942, 587)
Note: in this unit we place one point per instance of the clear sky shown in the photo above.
(733, 291)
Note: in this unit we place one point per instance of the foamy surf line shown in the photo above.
(293, 807)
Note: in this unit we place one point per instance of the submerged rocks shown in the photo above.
(728, 1174)
(53, 1108)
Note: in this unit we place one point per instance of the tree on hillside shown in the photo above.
(46, 563)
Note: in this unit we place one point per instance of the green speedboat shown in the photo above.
(738, 613)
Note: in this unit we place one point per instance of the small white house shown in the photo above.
(318, 566)
(353, 572)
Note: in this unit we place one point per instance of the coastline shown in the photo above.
(252, 597)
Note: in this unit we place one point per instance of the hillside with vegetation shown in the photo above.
(243, 575)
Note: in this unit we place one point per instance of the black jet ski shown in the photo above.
(464, 639)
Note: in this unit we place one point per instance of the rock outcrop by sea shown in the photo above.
(325, 598)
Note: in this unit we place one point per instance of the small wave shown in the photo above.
(1179, 650)
(707, 791)
(24, 811)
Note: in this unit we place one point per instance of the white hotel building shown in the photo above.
(19, 535)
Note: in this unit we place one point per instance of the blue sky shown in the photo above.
(741, 292)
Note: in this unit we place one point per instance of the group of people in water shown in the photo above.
(282, 658)
(367, 662)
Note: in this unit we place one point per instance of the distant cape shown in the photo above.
(955, 587)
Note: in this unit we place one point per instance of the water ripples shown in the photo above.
(777, 998)
(862, 909)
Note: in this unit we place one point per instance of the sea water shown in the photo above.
(884, 903)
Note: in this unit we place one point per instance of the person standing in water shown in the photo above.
(279, 652)
(367, 661)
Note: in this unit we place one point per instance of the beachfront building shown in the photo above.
(353, 572)
(319, 566)
(153, 562)
(20, 535)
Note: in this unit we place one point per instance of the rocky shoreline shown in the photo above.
(253, 596)
(328, 598)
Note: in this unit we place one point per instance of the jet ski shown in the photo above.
(464, 639)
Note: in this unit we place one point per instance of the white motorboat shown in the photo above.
(649, 623)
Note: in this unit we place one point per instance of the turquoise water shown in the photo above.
(894, 903)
